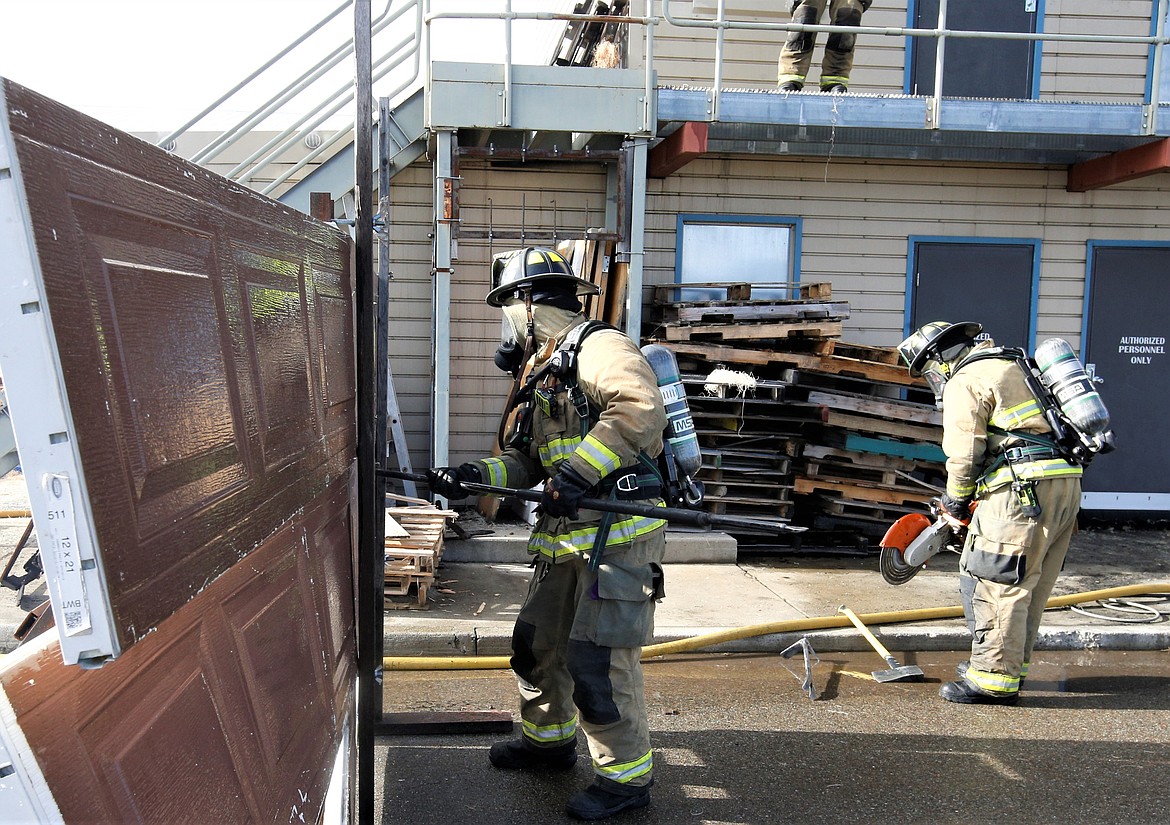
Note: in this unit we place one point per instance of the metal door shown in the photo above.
(993, 282)
(178, 357)
(1126, 328)
(976, 67)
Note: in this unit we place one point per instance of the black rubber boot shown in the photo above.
(967, 694)
(517, 754)
(604, 798)
(791, 86)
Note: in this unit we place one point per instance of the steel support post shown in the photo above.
(441, 296)
(369, 561)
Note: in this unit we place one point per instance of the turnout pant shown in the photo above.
(576, 652)
(796, 55)
(1008, 568)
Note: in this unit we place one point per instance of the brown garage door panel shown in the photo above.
(205, 338)
(230, 712)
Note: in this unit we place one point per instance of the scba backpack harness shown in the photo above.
(1065, 396)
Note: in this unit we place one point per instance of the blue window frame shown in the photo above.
(737, 248)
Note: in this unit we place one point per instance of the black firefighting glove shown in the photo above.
(957, 508)
(563, 493)
(448, 481)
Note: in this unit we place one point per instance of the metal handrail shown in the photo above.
(347, 130)
(720, 24)
(339, 98)
(182, 130)
(320, 111)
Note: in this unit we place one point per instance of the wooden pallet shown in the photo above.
(411, 559)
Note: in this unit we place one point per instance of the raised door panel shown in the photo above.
(195, 344)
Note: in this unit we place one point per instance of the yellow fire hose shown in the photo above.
(15, 513)
(787, 626)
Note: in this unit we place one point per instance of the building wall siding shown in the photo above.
(857, 216)
(567, 198)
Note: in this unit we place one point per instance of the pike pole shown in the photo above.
(696, 518)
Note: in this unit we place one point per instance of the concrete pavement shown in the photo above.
(481, 584)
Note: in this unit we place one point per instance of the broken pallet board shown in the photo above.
(753, 331)
(876, 406)
(832, 364)
(722, 312)
(881, 426)
(743, 290)
(861, 491)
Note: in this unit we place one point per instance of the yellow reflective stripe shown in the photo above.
(497, 471)
(828, 79)
(960, 490)
(558, 450)
(1048, 468)
(784, 78)
(1024, 670)
(625, 771)
(555, 734)
(993, 682)
(559, 545)
(599, 456)
(1012, 417)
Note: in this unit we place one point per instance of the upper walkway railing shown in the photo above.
(721, 24)
(414, 45)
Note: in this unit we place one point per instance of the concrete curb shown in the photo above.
(494, 639)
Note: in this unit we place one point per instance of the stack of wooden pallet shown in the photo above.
(793, 423)
(414, 546)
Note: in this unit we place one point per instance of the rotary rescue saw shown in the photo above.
(914, 539)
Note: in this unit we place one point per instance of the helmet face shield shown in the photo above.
(936, 374)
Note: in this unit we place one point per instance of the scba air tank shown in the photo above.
(1062, 372)
(680, 426)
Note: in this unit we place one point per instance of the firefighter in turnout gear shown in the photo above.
(796, 54)
(1000, 453)
(589, 423)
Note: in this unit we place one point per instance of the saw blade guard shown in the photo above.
(891, 560)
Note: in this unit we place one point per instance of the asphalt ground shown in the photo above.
(743, 735)
(737, 740)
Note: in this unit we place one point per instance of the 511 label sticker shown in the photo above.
(60, 529)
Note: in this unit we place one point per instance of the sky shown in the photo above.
(151, 65)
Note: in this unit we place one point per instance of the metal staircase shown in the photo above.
(287, 156)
